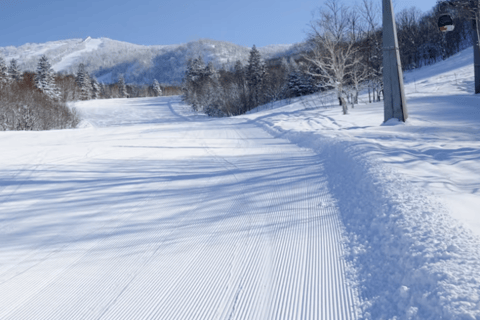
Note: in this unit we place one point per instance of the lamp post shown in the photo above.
(394, 101)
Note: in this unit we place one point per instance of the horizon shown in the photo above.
(249, 23)
(153, 45)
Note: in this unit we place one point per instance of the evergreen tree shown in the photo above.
(83, 82)
(122, 88)
(4, 78)
(239, 72)
(95, 88)
(156, 88)
(195, 70)
(194, 83)
(44, 78)
(13, 71)
(255, 75)
(299, 83)
(209, 71)
(103, 91)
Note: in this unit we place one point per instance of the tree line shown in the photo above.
(345, 54)
(31, 101)
(230, 92)
(38, 100)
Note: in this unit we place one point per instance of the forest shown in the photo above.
(344, 53)
(39, 100)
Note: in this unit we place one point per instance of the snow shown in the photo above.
(108, 59)
(293, 211)
(71, 59)
(408, 193)
(150, 211)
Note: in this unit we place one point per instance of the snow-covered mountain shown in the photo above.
(107, 59)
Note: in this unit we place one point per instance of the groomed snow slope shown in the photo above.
(409, 194)
(150, 212)
(71, 59)
(293, 212)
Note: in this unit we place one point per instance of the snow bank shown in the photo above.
(411, 257)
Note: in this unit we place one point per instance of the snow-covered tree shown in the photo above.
(83, 82)
(95, 88)
(156, 88)
(122, 88)
(194, 83)
(44, 78)
(4, 78)
(195, 70)
(13, 71)
(255, 75)
(103, 90)
(299, 83)
(210, 70)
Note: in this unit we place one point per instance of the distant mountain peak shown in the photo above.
(109, 59)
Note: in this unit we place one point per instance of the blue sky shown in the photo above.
(244, 22)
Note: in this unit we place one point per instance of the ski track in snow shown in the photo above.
(149, 214)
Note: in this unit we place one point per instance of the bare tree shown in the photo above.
(334, 53)
(372, 46)
(359, 72)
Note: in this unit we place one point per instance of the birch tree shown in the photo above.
(333, 53)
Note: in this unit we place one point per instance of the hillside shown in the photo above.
(108, 59)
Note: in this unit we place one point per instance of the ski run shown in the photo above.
(294, 211)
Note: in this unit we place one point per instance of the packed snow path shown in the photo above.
(151, 214)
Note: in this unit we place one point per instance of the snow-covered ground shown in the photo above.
(149, 211)
(67, 61)
(409, 194)
(152, 212)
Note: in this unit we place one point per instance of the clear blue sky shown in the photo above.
(244, 22)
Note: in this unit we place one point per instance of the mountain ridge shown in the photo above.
(109, 59)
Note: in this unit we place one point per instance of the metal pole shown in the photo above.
(476, 57)
(394, 101)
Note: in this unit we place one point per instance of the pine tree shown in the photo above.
(44, 78)
(256, 71)
(210, 71)
(195, 70)
(103, 91)
(4, 77)
(156, 88)
(193, 82)
(95, 88)
(13, 71)
(83, 82)
(299, 83)
(239, 71)
(122, 88)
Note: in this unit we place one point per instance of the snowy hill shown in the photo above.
(108, 59)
